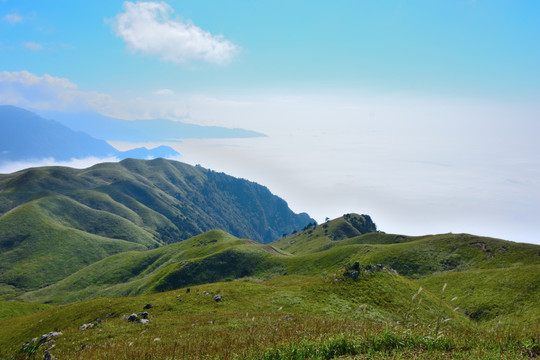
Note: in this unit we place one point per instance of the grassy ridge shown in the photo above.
(413, 256)
(69, 213)
(36, 251)
(127, 208)
(217, 256)
(133, 273)
(192, 199)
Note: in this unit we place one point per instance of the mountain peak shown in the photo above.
(25, 136)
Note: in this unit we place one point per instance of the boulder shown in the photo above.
(217, 297)
(143, 314)
(47, 337)
(48, 356)
(33, 341)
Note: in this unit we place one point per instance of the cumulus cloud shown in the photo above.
(33, 46)
(147, 27)
(47, 92)
(12, 18)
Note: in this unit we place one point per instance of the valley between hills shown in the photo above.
(156, 259)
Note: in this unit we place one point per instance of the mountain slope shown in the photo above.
(134, 204)
(24, 136)
(36, 250)
(192, 199)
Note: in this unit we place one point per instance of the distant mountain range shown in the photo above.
(34, 135)
(155, 130)
(25, 136)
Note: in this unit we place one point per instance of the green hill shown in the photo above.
(292, 299)
(191, 198)
(210, 257)
(35, 250)
(55, 221)
(217, 256)
(411, 256)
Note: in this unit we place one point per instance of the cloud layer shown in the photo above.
(147, 27)
(25, 89)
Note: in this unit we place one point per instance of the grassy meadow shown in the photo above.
(379, 316)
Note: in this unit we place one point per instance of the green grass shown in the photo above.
(413, 257)
(50, 215)
(507, 297)
(278, 305)
(176, 200)
(212, 256)
(11, 309)
(218, 256)
(381, 298)
(291, 317)
(69, 213)
(36, 251)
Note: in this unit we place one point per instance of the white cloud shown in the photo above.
(33, 46)
(164, 92)
(147, 27)
(12, 18)
(47, 92)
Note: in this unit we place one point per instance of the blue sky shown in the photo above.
(424, 114)
(479, 48)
